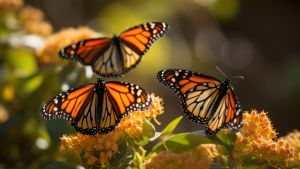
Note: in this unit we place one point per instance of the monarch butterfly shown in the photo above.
(112, 57)
(205, 99)
(98, 107)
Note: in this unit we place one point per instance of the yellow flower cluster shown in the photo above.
(294, 139)
(10, 4)
(49, 52)
(132, 124)
(256, 141)
(94, 150)
(200, 158)
(99, 149)
(33, 21)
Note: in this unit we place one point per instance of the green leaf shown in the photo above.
(183, 142)
(228, 137)
(147, 133)
(171, 126)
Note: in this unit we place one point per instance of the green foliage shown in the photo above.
(181, 142)
(171, 126)
(148, 132)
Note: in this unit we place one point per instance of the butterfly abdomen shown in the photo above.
(116, 41)
(100, 89)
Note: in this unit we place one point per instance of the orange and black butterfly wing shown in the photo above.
(120, 99)
(78, 105)
(234, 116)
(198, 93)
(135, 42)
(227, 114)
(102, 54)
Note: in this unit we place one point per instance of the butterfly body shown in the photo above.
(96, 108)
(112, 57)
(223, 89)
(204, 99)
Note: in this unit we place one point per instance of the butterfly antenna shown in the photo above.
(222, 72)
(238, 77)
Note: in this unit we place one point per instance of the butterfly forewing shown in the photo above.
(129, 97)
(86, 50)
(141, 37)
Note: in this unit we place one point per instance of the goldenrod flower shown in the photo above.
(293, 138)
(33, 21)
(132, 124)
(200, 158)
(99, 149)
(257, 141)
(10, 4)
(49, 52)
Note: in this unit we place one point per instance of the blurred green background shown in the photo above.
(259, 40)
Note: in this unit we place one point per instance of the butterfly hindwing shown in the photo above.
(227, 114)
(234, 121)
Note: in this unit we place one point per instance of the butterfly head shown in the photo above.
(116, 39)
(227, 82)
(100, 82)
